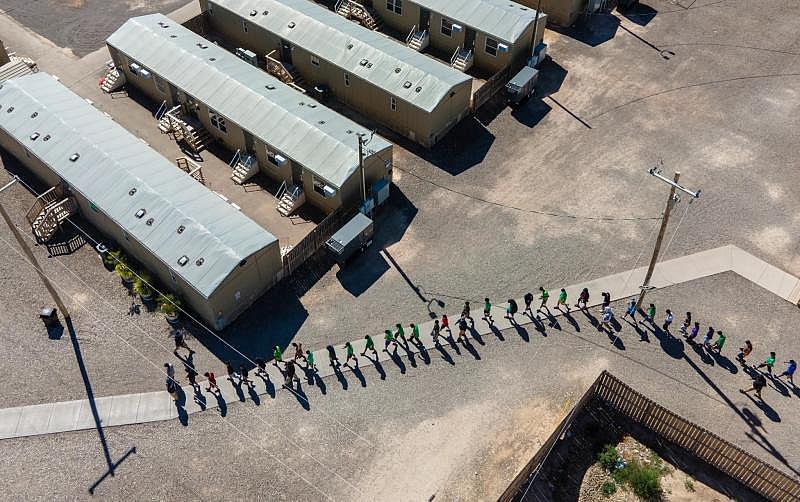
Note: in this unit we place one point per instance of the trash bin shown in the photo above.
(49, 317)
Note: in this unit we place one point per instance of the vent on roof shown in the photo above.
(34, 115)
(349, 46)
(265, 12)
(181, 229)
(363, 62)
(46, 137)
(140, 213)
(291, 25)
(397, 70)
(253, 12)
(149, 222)
(132, 192)
(163, 24)
(349, 131)
(369, 65)
(202, 45)
(183, 260)
(10, 109)
(418, 89)
(74, 157)
(34, 136)
(311, 105)
(212, 59)
(302, 103)
(270, 87)
(199, 261)
(321, 122)
(173, 36)
(406, 85)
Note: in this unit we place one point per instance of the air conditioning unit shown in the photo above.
(144, 73)
(246, 55)
(502, 48)
(380, 190)
(280, 160)
(457, 28)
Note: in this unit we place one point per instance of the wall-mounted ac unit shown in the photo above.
(457, 28)
(280, 160)
(247, 55)
(502, 48)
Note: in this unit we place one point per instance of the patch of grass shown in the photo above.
(609, 488)
(689, 484)
(608, 457)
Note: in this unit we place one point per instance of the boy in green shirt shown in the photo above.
(310, 360)
(369, 346)
(544, 295)
(487, 310)
(350, 353)
(720, 341)
(414, 332)
(388, 339)
(562, 299)
(400, 333)
(650, 314)
(277, 355)
(769, 363)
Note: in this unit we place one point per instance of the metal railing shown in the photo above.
(235, 158)
(162, 109)
(743, 467)
(42, 201)
(317, 238)
(281, 191)
(411, 34)
(455, 55)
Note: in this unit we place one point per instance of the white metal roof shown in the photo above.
(502, 19)
(403, 72)
(112, 163)
(304, 130)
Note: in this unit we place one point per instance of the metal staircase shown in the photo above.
(49, 210)
(189, 130)
(462, 59)
(418, 39)
(290, 199)
(113, 80)
(362, 14)
(244, 168)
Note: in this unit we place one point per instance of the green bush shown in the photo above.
(142, 285)
(609, 488)
(644, 480)
(608, 457)
(111, 258)
(169, 304)
(124, 271)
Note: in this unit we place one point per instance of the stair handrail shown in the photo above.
(296, 191)
(162, 109)
(469, 55)
(42, 201)
(455, 55)
(235, 158)
(339, 5)
(281, 190)
(411, 34)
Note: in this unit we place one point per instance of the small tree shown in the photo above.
(124, 271)
(169, 305)
(112, 258)
(142, 286)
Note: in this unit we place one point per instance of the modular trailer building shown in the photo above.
(500, 32)
(412, 94)
(217, 259)
(294, 138)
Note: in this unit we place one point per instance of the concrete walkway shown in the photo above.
(155, 406)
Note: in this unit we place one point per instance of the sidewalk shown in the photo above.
(155, 406)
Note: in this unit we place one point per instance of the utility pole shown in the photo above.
(24, 245)
(361, 167)
(671, 200)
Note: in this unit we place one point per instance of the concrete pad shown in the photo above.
(123, 409)
(34, 420)
(155, 406)
(9, 419)
(777, 281)
(64, 416)
(85, 418)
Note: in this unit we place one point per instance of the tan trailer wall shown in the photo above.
(450, 111)
(3, 54)
(559, 12)
(442, 42)
(403, 22)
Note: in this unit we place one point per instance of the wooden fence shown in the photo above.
(705, 445)
(490, 88)
(317, 238)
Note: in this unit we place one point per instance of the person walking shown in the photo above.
(169, 369)
(769, 363)
(231, 372)
(528, 300)
(400, 333)
(414, 333)
(608, 315)
(465, 313)
(462, 330)
(191, 376)
(511, 310)
(707, 338)
(583, 299)
(446, 323)
(650, 315)
(277, 355)
(180, 343)
(245, 374)
(759, 382)
(298, 351)
(291, 374)
(719, 342)
(630, 310)
(370, 345)
(212, 382)
(543, 295)
(744, 352)
(693, 333)
(606, 300)
(667, 321)
(487, 311)
(436, 332)
(562, 299)
(388, 339)
(351, 354)
(261, 367)
(310, 363)
(334, 360)
(791, 367)
(687, 321)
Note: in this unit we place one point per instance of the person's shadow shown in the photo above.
(779, 386)
(423, 353)
(359, 374)
(268, 385)
(301, 397)
(477, 336)
(237, 386)
(592, 319)
(398, 361)
(522, 332)
(180, 405)
(571, 320)
(251, 391)
(496, 332)
(340, 376)
(724, 362)
(444, 354)
(699, 349)
(200, 398)
(471, 349)
(768, 410)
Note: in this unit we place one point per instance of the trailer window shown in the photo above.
(447, 27)
(491, 46)
(395, 6)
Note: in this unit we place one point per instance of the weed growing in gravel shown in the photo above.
(609, 488)
(608, 457)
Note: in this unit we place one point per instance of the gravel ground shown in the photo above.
(460, 431)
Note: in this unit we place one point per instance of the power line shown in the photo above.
(524, 210)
